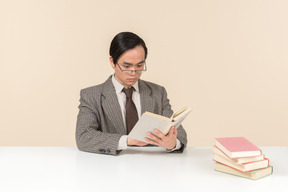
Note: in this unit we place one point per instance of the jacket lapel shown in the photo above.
(111, 106)
(146, 99)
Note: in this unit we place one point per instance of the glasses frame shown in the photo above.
(136, 71)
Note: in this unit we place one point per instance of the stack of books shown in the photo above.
(238, 156)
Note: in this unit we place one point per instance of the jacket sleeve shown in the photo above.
(89, 134)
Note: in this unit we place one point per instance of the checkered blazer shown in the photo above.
(100, 124)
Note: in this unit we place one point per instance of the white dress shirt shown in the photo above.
(122, 145)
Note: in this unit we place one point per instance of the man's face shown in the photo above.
(132, 59)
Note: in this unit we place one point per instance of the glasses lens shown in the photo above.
(143, 69)
(131, 71)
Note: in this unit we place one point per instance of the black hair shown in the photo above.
(124, 41)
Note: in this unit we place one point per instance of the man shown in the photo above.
(106, 113)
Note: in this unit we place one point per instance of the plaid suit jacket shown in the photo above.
(100, 124)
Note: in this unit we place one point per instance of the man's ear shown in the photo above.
(111, 62)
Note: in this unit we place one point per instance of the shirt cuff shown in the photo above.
(178, 146)
(122, 144)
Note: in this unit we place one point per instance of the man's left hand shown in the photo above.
(165, 141)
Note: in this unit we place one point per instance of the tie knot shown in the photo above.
(128, 92)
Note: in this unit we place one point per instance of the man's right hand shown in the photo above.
(134, 142)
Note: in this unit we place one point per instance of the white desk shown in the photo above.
(64, 169)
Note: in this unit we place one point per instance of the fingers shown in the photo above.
(140, 143)
(158, 134)
(173, 130)
(161, 140)
(156, 138)
(150, 141)
(131, 142)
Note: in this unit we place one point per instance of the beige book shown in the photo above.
(244, 167)
(250, 175)
(150, 121)
(241, 160)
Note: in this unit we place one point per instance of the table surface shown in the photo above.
(140, 168)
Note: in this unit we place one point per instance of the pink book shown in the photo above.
(235, 147)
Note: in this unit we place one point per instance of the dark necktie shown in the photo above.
(131, 111)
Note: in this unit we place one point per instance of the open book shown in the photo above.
(150, 121)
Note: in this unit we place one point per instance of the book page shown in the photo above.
(147, 123)
(179, 119)
(179, 112)
(182, 114)
(156, 115)
(150, 121)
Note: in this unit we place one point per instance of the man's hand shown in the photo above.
(166, 141)
(135, 142)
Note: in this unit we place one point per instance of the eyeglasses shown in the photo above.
(136, 71)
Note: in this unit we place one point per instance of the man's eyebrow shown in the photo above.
(127, 63)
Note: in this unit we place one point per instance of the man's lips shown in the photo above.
(131, 79)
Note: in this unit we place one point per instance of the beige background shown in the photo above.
(227, 59)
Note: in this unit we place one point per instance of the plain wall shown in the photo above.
(227, 59)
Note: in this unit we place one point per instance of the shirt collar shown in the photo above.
(118, 86)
